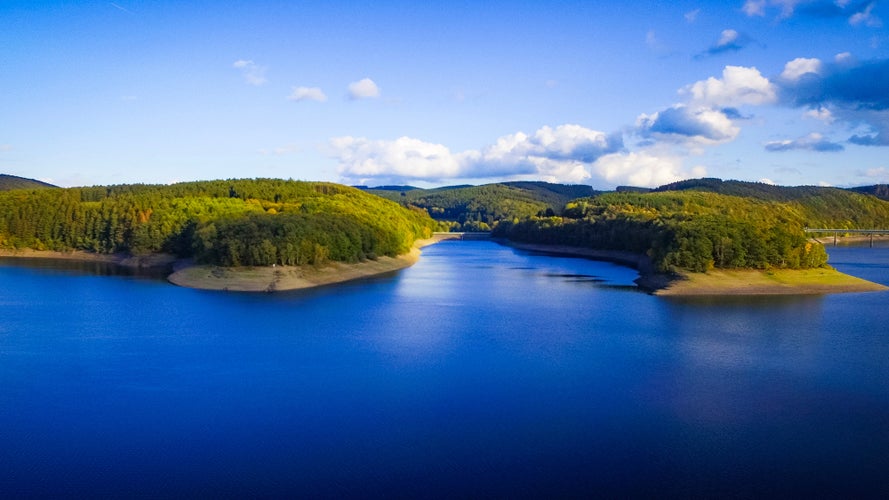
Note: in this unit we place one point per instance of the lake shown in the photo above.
(481, 371)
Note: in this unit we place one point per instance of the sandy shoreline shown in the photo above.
(721, 282)
(283, 278)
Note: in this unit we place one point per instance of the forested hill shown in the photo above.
(9, 182)
(478, 208)
(706, 223)
(226, 222)
(881, 191)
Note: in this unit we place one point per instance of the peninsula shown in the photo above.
(698, 237)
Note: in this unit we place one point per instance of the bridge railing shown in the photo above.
(837, 232)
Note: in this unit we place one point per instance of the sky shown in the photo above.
(791, 92)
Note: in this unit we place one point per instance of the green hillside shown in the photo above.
(226, 222)
(707, 223)
(10, 182)
(478, 208)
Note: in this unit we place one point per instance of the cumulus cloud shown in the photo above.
(844, 90)
(644, 168)
(562, 154)
(795, 69)
(812, 142)
(363, 89)
(739, 85)
(252, 72)
(683, 123)
(307, 94)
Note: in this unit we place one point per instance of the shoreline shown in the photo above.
(288, 278)
(183, 272)
(719, 282)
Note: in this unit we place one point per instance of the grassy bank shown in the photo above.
(771, 282)
(722, 281)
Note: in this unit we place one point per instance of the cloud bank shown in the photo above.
(843, 90)
(566, 153)
(656, 149)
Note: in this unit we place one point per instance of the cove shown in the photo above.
(480, 371)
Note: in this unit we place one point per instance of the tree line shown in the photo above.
(699, 230)
(230, 222)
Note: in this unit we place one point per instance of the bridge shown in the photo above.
(836, 232)
(480, 235)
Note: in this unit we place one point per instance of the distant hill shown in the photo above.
(480, 207)
(881, 191)
(10, 182)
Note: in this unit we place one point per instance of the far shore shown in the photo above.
(281, 278)
(721, 281)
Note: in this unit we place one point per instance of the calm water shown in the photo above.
(481, 371)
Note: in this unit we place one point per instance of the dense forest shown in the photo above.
(479, 208)
(706, 223)
(695, 225)
(226, 222)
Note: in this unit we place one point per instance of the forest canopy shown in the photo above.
(695, 226)
(225, 222)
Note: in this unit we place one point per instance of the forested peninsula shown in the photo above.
(217, 224)
(727, 229)
(702, 236)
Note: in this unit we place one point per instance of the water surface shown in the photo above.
(480, 371)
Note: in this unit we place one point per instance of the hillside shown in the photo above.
(10, 182)
(475, 208)
(230, 222)
(881, 191)
(707, 223)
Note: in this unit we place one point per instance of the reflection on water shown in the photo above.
(481, 371)
(94, 268)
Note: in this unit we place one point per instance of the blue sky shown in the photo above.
(602, 93)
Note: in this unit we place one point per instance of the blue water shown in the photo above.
(481, 371)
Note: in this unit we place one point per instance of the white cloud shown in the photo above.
(684, 124)
(363, 89)
(561, 154)
(739, 85)
(800, 66)
(754, 7)
(727, 37)
(5, 147)
(866, 17)
(822, 114)
(307, 94)
(253, 73)
(766, 180)
(646, 168)
(692, 15)
(812, 142)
